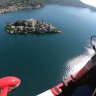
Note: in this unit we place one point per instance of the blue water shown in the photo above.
(40, 61)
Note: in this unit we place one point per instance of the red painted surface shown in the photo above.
(4, 92)
(80, 73)
(56, 90)
(8, 83)
(84, 70)
(68, 80)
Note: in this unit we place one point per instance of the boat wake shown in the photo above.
(76, 63)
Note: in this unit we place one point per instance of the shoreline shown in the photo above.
(14, 8)
(79, 5)
(74, 4)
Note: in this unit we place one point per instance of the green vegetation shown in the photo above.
(30, 26)
(21, 4)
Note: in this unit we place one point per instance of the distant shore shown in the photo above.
(14, 8)
(74, 4)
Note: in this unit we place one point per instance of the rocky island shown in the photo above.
(30, 26)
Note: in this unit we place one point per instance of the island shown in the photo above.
(30, 26)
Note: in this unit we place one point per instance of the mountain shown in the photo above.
(76, 3)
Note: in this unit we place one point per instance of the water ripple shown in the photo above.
(72, 66)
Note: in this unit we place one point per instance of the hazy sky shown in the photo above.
(89, 2)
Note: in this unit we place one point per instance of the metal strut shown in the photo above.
(93, 46)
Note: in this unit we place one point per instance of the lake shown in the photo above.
(41, 61)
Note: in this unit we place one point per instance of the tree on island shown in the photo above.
(8, 24)
(42, 21)
(17, 23)
(37, 22)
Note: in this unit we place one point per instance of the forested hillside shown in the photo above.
(20, 3)
(6, 3)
